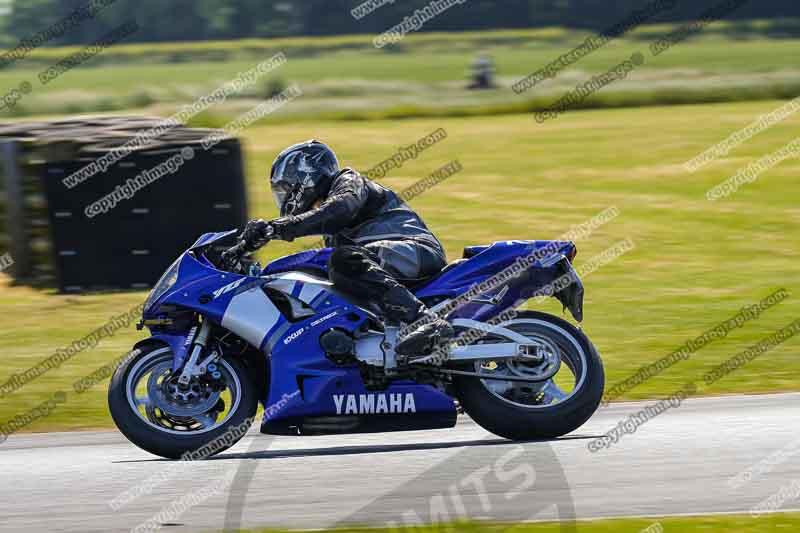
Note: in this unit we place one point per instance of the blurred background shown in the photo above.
(79, 80)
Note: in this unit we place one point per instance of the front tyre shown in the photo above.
(545, 409)
(208, 416)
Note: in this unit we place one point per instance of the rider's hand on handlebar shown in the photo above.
(256, 234)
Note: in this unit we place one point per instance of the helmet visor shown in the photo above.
(281, 193)
(293, 184)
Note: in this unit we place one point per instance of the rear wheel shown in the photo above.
(570, 390)
(157, 414)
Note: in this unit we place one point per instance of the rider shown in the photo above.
(378, 239)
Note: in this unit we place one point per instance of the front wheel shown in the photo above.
(549, 408)
(159, 415)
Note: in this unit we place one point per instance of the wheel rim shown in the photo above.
(563, 353)
(153, 394)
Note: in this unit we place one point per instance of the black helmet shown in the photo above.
(301, 175)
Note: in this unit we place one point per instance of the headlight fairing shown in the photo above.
(164, 284)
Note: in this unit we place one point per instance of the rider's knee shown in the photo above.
(348, 261)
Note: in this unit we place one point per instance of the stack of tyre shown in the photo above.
(128, 245)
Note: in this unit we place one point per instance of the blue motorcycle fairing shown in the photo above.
(210, 238)
(485, 262)
(331, 311)
(303, 381)
(201, 288)
(538, 266)
(211, 293)
(198, 278)
(327, 387)
(309, 260)
(482, 263)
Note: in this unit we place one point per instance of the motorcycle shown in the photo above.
(227, 334)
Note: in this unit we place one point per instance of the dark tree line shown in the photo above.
(193, 20)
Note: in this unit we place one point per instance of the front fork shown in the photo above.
(196, 341)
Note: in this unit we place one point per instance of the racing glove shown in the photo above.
(256, 234)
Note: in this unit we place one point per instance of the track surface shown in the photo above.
(677, 463)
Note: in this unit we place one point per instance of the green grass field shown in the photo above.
(347, 75)
(694, 265)
(704, 524)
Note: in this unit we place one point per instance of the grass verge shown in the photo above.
(704, 524)
(695, 264)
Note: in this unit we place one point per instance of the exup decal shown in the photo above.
(293, 336)
(380, 403)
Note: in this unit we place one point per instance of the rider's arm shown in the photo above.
(347, 196)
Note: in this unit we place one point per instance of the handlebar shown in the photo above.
(232, 256)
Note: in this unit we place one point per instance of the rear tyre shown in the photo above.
(204, 419)
(523, 412)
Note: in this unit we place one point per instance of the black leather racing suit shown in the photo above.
(378, 241)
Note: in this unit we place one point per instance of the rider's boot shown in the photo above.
(423, 332)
